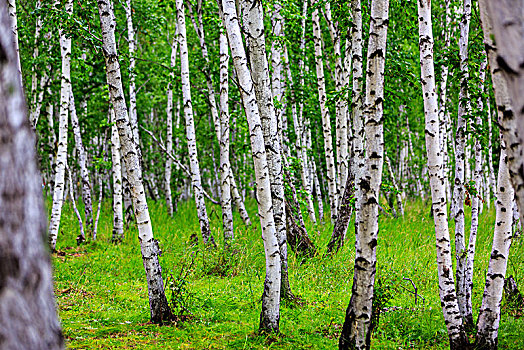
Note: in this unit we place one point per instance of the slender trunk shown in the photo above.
(225, 171)
(341, 105)
(358, 325)
(326, 124)
(255, 39)
(475, 204)
(448, 297)
(270, 315)
(133, 118)
(490, 176)
(118, 215)
(190, 128)
(81, 236)
(35, 96)
(61, 154)
(82, 161)
(458, 191)
(169, 133)
(237, 199)
(489, 315)
(338, 236)
(100, 195)
(400, 207)
(357, 163)
(28, 315)
(149, 246)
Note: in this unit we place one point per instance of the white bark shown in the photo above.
(61, 153)
(458, 191)
(11, 4)
(82, 161)
(270, 315)
(475, 204)
(253, 18)
(28, 315)
(225, 171)
(357, 163)
(133, 118)
(35, 97)
(448, 297)
(118, 214)
(169, 133)
(506, 20)
(81, 237)
(489, 315)
(149, 246)
(341, 105)
(326, 124)
(356, 329)
(190, 128)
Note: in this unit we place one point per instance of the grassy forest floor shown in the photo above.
(102, 294)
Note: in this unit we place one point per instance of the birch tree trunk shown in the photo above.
(11, 5)
(506, 116)
(277, 53)
(190, 128)
(225, 171)
(489, 315)
(458, 191)
(169, 133)
(270, 315)
(158, 305)
(82, 161)
(253, 17)
(28, 315)
(326, 124)
(341, 106)
(356, 332)
(81, 236)
(61, 153)
(448, 297)
(34, 112)
(118, 215)
(506, 26)
(357, 143)
(475, 204)
(490, 176)
(133, 118)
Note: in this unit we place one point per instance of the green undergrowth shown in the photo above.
(102, 293)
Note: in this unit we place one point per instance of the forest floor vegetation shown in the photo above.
(101, 289)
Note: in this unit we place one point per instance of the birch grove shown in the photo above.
(180, 121)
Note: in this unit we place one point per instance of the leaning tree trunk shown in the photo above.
(190, 128)
(225, 171)
(28, 315)
(326, 123)
(118, 214)
(61, 153)
(14, 28)
(489, 315)
(448, 297)
(133, 118)
(254, 18)
(82, 161)
(458, 191)
(158, 305)
(270, 315)
(504, 22)
(358, 325)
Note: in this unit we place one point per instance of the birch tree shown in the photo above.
(225, 171)
(326, 124)
(460, 139)
(356, 332)
(448, 297)
(158, 305)
(169, 125)
(118, 214)
(28, 315)
(270, 315)
(11, 6)
(190, 128)
(82, 161)
(61, 153)
(489, 315)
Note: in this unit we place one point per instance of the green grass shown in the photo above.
(102, 294)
